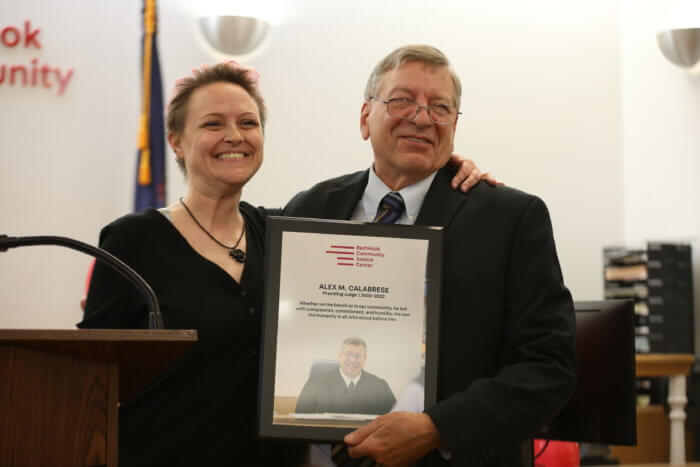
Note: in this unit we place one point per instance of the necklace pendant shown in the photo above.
(235, 253)
(238, 255)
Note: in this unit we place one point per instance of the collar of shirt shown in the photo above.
(412, 195)
(350, 380)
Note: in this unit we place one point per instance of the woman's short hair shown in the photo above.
(411, 53)
(227, 72)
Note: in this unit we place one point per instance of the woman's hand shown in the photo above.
(468, 174)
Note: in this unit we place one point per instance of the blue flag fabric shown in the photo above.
(150, 162)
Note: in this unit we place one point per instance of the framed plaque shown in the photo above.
(350, 325)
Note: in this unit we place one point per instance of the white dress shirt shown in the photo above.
(413, 196)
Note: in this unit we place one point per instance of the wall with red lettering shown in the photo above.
(35, 73)
(531, 115)
(542, 102)
(69, 87)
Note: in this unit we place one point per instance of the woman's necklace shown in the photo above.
(233, 251)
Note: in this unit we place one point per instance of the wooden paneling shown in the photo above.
(652, 439)
(60, 389)
(66, 426)
(135, 351)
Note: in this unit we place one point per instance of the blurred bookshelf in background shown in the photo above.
(659, 281)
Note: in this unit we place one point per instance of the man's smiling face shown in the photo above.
(407, 151)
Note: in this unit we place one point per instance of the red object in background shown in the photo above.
(556, 453)
(88, 277)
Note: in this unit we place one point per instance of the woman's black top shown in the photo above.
(201, 410)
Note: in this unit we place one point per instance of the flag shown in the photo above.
(150, 161)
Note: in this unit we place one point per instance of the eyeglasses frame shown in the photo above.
(418, 109)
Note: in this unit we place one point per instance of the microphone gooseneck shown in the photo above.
(155, 319)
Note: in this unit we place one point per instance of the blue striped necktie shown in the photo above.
(391, 207)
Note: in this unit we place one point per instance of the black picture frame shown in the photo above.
(274, 425)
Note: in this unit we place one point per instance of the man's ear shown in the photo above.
(364, 124)
(454, 131)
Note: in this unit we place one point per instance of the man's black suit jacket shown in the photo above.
(326, 392)
(507, 326)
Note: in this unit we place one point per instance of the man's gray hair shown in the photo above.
(355, 341)
(411, 53)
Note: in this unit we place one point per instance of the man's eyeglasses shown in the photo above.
(407, 109)
(356, 356)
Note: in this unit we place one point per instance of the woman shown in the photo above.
(203, 257)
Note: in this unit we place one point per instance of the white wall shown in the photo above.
(661, 141)
(65, 161)
(541, 109)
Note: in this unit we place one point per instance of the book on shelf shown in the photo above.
(633, 272)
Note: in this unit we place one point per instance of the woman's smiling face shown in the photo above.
(222, 140)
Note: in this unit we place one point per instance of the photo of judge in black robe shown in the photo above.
(346, 387)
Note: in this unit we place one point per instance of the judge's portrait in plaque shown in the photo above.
(345, 387)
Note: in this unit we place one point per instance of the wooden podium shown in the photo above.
(59, 390)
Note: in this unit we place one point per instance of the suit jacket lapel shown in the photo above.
(441, 203)
(343, 199)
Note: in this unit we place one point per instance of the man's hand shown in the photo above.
(395, 439)
(468, 174)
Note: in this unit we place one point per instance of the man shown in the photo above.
(346, 388)
(507, 353)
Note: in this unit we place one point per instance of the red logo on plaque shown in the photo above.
(344, 254)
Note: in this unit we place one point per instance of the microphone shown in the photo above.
(155, 319)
